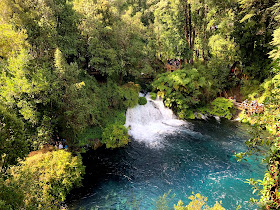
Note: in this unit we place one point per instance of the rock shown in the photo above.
(96, 144)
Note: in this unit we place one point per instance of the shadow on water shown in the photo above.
(196, 158)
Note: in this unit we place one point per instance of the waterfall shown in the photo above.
(149, 123)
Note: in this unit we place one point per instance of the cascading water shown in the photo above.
(150, 122)
(189, 157)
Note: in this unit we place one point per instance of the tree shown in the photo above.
(114, 42)
(11, 41)
(268, 145)
(49, 24)
(274, 53)
(69, 96)
(115, 136)
(22, 86)
(183, 91)
(168, 27)
(46, 179)
(13, 141)
(253, 31)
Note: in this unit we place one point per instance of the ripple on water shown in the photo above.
(169, 154)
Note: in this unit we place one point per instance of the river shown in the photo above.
(169, 155)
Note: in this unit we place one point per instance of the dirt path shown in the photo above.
(234, 92)
(45, 149)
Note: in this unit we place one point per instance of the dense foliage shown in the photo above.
(198, 202)
(115, 136)
(12, 139)
(71, 68)
(269, 146)
(142, 101)
(42, 181)
(183, 91)
(268, 94)
(220, 107)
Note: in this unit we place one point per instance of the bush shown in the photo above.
(120, 118)
(183, 91)
(11, 195)
(222, 107)
(197, 202)
(89, 133)
(115, 117)
(12, 138)
(250, 86)
(130, 94)
(47, 178)
(153, 96)
(142, 101)
(115, 136)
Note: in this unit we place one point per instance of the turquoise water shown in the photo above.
(196, 158)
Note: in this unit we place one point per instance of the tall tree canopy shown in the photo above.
(69, 68)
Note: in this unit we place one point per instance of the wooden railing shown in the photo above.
(173, 67)
(251, 107)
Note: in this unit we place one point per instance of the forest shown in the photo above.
(71, 68)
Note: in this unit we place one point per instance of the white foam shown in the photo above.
(218, 118)
(151, 122)
(203, 116)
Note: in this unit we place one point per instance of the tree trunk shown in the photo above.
(121, 79)
(87, 59)
(189, 31)
(204, 33)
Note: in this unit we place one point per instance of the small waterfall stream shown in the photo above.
(169, 154)
(150, 122)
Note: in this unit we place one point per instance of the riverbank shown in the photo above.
(198, 157)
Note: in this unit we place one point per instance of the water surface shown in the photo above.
(193, 157)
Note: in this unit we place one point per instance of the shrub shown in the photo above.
(129, 94)
(115, 136)
(142, 101)
(183, 90)
(120, 118)
(153, 96)
(250, 86)
(222, 107)
(13, 142)
(47, 178)
(115, 117)
(89, 133)
(198, 202)
(11, 195)
(268, 146)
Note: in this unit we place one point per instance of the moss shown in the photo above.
(190, 115)
(142, 101)
(153, 96)
(199, 115)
